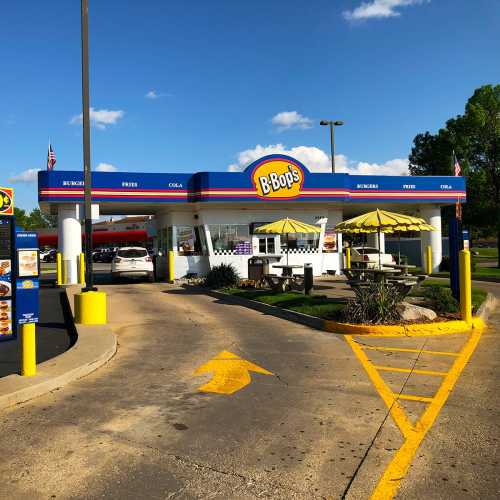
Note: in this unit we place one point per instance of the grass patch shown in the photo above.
(313, 305)
(478, 294)
(480, 272)
(486, 253)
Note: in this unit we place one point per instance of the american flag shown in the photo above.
(456, 166)
(51, 158)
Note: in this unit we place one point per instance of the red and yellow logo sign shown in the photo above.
(278, 178)
(6, 201)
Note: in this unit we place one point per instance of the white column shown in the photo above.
(432, 214)
(69, 241)
(373, 241)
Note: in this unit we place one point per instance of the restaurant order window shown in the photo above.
(190, 240)
(231, 238)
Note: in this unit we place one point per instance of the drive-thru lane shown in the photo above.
(140, 426)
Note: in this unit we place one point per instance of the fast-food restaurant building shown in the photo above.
(207, 218)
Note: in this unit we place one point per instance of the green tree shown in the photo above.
(21, 217)
(475, 138)
(34, 220)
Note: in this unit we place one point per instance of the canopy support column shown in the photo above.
(432, 215)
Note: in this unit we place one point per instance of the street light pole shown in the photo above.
(332, 124)
(87, 176)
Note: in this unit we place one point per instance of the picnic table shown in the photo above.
(284, 283)
(404, 267)
(287, 268)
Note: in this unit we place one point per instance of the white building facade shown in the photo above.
(208, 218)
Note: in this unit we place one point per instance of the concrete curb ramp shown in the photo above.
(94, 347)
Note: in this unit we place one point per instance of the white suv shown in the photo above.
(132, 262)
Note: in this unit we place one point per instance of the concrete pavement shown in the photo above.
(316, 428)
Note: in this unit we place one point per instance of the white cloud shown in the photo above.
(106, 167)
(29, 175)
(379, 9)
(316, 160)
(153, 94)
(290, 119)
(100, 117)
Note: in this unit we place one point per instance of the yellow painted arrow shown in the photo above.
(231, 373)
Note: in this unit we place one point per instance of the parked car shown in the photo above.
(132, 262)
(370, 255)
(50, 256)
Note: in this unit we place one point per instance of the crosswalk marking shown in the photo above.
(401, 349)
(411, 397)
(409, 370)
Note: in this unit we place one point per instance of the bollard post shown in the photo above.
(465, 286)
(59, 279)
(171, 274)
(308, 279)
(428, 260)
(81, 263)
(90, 308)
(28, 350)
(348, 257)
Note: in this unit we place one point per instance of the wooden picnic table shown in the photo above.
(287, 268)
(404, 267)
(284, 283)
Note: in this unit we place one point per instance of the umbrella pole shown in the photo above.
(287, 248)
(379, 256)
(399, 248)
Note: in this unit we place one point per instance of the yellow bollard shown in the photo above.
(81, 263)
(90, 308)
(171, 266)
(59, 279)
(28, 350)
(348, 257)
(428, 260)
(465, 286)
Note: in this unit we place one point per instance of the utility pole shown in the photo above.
(87, 176)
(332, 124)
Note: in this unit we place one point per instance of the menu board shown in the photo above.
(27, 263)
(5, 318)
(5, 239)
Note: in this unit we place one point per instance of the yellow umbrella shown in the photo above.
(287, 226)
(382, 221)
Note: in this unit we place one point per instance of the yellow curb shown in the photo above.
(407, 330)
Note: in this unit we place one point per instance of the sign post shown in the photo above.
(19, 274)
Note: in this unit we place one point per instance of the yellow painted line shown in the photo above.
(385, 392)
(411, 397)
(401, 349)
(230, 373)
(409, 370)
(398, 467)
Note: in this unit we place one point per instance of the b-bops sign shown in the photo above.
(6, 201)
(278, 178)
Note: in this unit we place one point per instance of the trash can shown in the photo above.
(257, 268)
(308, 278)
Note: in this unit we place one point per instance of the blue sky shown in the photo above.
(217, 72)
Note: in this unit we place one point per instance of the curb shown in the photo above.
(94, 346)
(409, 330)
(296, 317)
(487, 307)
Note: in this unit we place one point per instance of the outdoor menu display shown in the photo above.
(6, 308)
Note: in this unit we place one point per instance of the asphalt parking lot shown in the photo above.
(180, 413)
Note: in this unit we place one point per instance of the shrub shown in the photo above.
(441, 298)
(445, 264)
(375, 304)
(222, 276)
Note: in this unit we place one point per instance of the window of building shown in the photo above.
(187, 242)
(233, 238)
(267, 245)
(300, 241)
